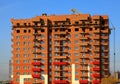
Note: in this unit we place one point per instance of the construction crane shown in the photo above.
(74, 11)
(113, 28)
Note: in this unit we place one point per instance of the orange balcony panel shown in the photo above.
(96, 75)
(36, 69)
(60, 63)
(36, 75)
(60, 81)
(83, 81)
(96, 62)
(96, 69)
(36, 63)
(96, 81)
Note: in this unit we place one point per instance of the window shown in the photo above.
(83, 54)
(17, 61)
(42, 61)
(76, 73)
(50, 54)
(24, 61)
(25, 55)
(28, 37)
(83, 35)
(76, 60)
(42, 36)
(76, 66)
(50, 36)
(29, 30)
(42, 54)
(83, 41)
(42, 42)
(25, 49)
(42, 66)
(17, 55)
(76, 36)
(76, 42)
(76, 48)
(69, 48)
(76, 54)
(17, 37)
(90, 29)
(55, 36)
(18, 73)
(90, 47)
(24, 37)
(69, 36)
(56, 54)
(69, 54)
(25, 31)
(90, 53)
(42, 78)
(90, 41)
(69, 30)
(42, 48)
(42, 30)
(69, 42)
(18, 31)
(76, 29)
(17, 79)
(69, 60)
(24, 67)
(28, 43)
(90, 35)
(18, 43)
(17, 67)
(76, 79)
(24, 43)
(18, 49)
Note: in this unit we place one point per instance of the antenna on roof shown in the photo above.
(74, 11)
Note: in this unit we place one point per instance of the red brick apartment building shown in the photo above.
(60, 49)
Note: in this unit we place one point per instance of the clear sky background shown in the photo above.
(30, 8)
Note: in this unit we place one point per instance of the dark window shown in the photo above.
(96, 28)
(18, 31)
(35, 31)
(102, 28)
(69, 30)
(76, 22)
(29, 30)
(25, 31)
(50, 30)
(42, 30)
(25, 24)
(56, 30)
(90, 29)
(29, 24)
(83, 29)
(18, 24)
(103, 22)
(76, 29)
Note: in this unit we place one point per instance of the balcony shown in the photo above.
(106, 57)
(96, 81)
(97, 31)
(36, 63)
(84, 38)
(84, 57)
(96, 44)
(96, 69)
(96, 57)
(60, 81)
(36, 69)
(36, 75)
(36, 58)
(96, 62)
(83, 63)
(60, 63)
(84, 69)
(96, 75)
(85, 51)
(60, 57)
(83, 81)
(97, 37)
(84, 44)
(97, 50)
(37, 34)
(84, 76)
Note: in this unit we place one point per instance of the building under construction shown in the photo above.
(60, 49)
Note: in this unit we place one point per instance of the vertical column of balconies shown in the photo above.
(37, 60)
(61, 59)
(105, 48)
(84, 58)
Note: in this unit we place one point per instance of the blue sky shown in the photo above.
(31, 8)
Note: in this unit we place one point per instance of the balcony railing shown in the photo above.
(96, 75)
(60, 81)
(60, 63)
(96, 81)
(36, 69)
(83, 81)
(96, 62)
(36, 75)
(36, 63)
(84, 44)
(96, 69)
(60, 57)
